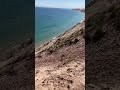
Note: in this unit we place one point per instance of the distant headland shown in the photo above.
(78, 9)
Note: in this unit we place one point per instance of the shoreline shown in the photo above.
(52, 41)
(47, 41)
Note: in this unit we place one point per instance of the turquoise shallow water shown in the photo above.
(51, 22)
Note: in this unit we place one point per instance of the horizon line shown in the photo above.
(58, 7)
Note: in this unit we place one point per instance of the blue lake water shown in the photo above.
(51, 22)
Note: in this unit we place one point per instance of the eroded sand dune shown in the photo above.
(61, 66)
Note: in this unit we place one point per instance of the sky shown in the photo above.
(60, 3)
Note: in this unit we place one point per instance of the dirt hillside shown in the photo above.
(60, 64)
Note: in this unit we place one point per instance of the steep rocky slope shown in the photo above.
(60, 64)
(17, 67)
(102, 45)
